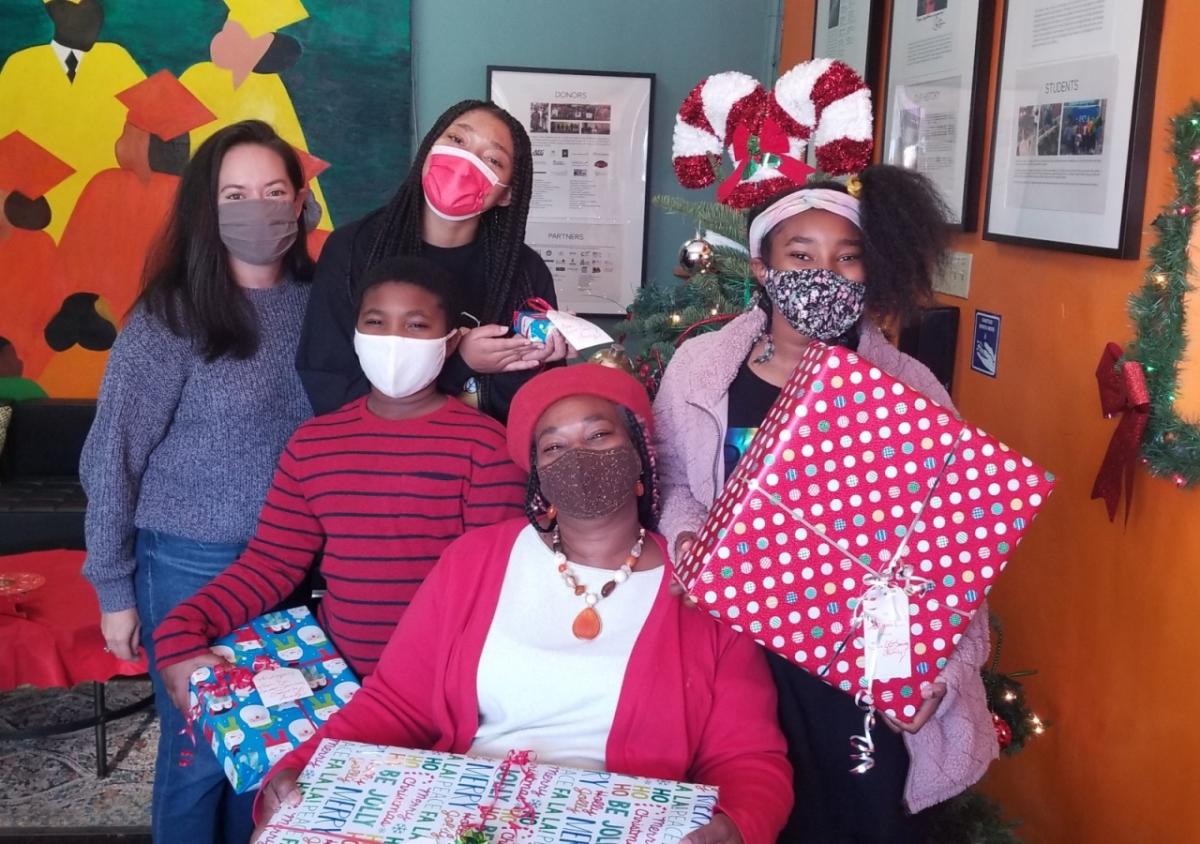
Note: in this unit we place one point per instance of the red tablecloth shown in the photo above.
(59, 644)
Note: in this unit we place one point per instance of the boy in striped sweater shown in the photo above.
(379, 487)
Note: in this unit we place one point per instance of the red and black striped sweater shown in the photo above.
(380, 499)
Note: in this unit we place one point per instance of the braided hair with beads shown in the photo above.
(501, 229)
(649, 505)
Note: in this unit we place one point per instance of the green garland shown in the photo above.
(1171, 446)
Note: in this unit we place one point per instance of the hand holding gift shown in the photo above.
(860, 532)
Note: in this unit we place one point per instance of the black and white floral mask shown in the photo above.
(818, 303)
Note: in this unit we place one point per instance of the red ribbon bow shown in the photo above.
(538, 305)
(769, 146)
(1122, 390)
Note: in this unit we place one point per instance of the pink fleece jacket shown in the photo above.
(954, 748)
(697, 703)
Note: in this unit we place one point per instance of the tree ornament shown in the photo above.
(697, 255)
(614, 357)
(1004, 733)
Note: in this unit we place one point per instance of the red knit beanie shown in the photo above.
(585, 379)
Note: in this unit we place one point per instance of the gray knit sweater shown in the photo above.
(187, 447)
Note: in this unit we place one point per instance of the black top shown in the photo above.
(750, 398)
(832, 805)
(325, 359)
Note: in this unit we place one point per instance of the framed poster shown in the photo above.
(849, 30)
(590, 134)
(1071, 129)
(938, 62)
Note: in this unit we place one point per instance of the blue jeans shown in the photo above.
(195, 803)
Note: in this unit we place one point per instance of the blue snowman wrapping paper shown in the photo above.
(247, 735)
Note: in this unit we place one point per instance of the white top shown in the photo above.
(62, 53)
(539, 687)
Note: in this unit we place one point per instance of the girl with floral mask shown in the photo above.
(829, 265)
(199, 397)
(558, 633)
(463, 206)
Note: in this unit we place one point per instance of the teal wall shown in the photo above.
(682, 41)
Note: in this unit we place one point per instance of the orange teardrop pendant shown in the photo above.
(587, 624)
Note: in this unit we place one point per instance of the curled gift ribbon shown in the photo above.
(897, 575)
(768, 148)
(1122, 390)
(475, 833)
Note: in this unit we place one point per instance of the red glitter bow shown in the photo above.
(538, 305)
(227, 680)
(1122, 390)
(768, 148)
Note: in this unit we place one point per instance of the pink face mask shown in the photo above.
(457, 183)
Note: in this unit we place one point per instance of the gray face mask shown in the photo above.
(257, 231)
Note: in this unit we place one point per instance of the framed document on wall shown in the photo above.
(849, 30)
(938, 62)
(590, 137)
(1071, 129)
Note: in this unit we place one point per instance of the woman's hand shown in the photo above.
(683, 544)
(720, 830)
(554, 349)
(281, 790)
(932, 696)
(122, 632)
(487, 351)
(176, 677)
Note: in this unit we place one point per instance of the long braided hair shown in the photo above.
(649, 506)
(501, 229)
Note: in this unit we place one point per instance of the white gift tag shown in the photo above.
(281, 685)
(578, 331)
(886, 634)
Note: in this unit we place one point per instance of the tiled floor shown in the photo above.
(48, 787)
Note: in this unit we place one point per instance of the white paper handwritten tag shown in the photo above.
(578, 331)
(886, 634)
(281, 685)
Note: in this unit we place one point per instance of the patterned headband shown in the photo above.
(823, 199)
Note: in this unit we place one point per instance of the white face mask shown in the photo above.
(400, 366)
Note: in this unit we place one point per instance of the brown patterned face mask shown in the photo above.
(587, 484)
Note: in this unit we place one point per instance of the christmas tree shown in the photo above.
(717, 286)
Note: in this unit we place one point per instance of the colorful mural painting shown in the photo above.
(103, 101)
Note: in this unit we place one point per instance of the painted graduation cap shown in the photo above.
(29, 168)
(258, 17)
(160, 105)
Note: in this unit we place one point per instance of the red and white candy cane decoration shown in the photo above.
(766, 134)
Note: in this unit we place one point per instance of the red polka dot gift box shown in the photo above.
(861, 530)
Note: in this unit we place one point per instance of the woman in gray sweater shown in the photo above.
(198, 400)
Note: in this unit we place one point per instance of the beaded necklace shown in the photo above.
(587, 623)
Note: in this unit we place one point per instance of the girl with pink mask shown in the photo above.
(463, 206)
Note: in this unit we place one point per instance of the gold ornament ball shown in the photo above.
(614, 357)
(696, 255)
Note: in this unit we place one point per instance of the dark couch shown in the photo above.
(41, 500)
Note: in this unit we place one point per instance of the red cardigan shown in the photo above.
(697, 703)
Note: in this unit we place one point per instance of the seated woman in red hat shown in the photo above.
(560, 635)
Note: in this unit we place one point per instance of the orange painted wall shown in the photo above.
(1105, 613)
